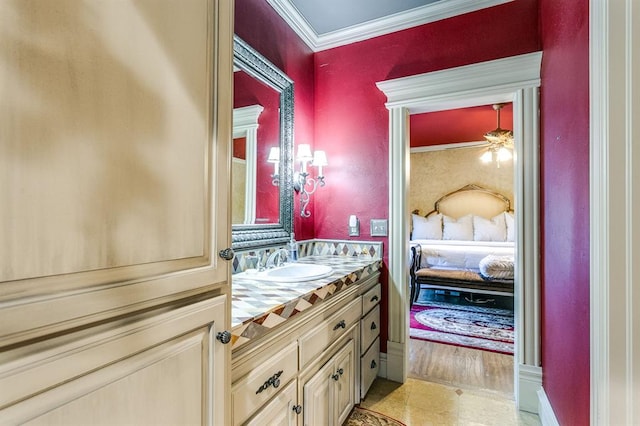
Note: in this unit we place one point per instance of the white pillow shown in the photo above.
(427, 228)
(511, 226)
(494, 229)
(460, 229)
(496, 267)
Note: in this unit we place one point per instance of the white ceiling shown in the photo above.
(324, 24)
(332, 15)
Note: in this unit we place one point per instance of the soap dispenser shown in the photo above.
(293, 249)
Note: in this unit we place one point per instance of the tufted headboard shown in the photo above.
(471, 199)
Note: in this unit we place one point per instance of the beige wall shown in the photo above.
(436, 173)
(238, 190)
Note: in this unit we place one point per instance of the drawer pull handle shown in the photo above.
(224, 337)
(335, 377)
(271, 381)
(340, 371)
(373, 326)
(375, 298)
(341, 324)
(297, 409)
(373, 363)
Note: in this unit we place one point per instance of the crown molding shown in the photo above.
(399, 21)
(467, 82)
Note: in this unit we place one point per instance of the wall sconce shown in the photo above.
(274, 157)
(301, 179)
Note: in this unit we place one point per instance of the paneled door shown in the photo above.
(115, 129)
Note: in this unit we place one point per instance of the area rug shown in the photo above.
(363, 417)
(478, 327)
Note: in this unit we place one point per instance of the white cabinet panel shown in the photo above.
(369, 366)
(263, 382)
(280, 411)
(329, 395)
(329, 331)
(369, 328)
(163, 368)
(113, 153)
(371, 298)
(344, 386)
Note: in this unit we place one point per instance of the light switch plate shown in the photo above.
(379, 227)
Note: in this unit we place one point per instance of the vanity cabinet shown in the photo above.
(318, 353)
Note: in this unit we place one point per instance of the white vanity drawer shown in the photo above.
(369, 328)
(280, 411)
(371, 298)
(330, 330)
(263, 382)
(369, 366)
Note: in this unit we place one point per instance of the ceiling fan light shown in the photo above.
(504, 154)
(486, 157)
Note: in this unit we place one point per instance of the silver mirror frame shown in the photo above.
(259, 235)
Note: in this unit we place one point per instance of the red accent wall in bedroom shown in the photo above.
(457, 125)
(259, 25)
(351, 121)
(565, 197)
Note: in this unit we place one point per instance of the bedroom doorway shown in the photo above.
(514, 79)
(461, 332)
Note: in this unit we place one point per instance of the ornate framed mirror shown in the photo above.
(262, 202)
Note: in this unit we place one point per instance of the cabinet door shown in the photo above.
(280, 411)
(114, 191)
(330, 394)
(317, 405)
(344, 386)
(165, 368)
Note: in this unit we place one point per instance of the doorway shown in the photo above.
(515, 79)
(461, 337)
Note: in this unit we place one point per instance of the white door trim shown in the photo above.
(514, 79)
(614, 195)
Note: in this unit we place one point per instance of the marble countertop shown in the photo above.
(258, 306)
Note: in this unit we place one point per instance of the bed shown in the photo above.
(466, 243)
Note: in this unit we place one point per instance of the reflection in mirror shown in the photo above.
(248, 92)
(261, 206)
(243, 170)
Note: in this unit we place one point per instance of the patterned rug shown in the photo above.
(363, 417)
(478, 327)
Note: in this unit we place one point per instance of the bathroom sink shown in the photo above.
(292, 272)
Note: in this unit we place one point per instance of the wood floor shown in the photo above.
(462, 367)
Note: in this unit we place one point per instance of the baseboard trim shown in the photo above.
(545, 410)
(382, 371)
(529, 383)
(395, 366)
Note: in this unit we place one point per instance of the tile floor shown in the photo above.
(418, 402)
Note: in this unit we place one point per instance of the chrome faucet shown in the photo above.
(277, 258)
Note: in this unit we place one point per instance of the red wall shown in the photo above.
(565, 197)
(259, 25)
(339, 109)
(457, 125)
(351, 121)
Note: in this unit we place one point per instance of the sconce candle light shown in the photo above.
(302, 180)
(274, 157)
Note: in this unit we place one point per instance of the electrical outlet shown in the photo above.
(379, 227)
